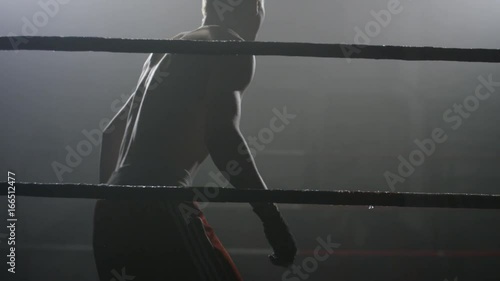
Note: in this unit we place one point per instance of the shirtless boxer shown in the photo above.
(184, 108)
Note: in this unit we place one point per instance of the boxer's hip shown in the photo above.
(145, 212)
(133, 217)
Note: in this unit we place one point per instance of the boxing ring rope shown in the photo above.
(352, 51)
(205, 194)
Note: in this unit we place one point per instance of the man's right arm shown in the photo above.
(226, 145)
(231, 155)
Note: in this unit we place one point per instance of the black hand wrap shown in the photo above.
(277, 233)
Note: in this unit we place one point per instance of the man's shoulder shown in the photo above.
(211, 32)
(235, 72)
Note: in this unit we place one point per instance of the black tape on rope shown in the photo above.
(352, 51)
(353, 198)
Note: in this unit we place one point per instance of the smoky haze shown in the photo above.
(354, 122)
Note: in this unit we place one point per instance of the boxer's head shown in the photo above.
(242, 16)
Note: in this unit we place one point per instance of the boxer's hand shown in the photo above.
(282, 242)
(277, 233)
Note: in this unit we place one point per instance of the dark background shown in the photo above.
(354, 118)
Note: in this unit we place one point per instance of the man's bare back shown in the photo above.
(164, 136)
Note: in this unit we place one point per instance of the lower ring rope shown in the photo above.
(353, 198)
(351, 51)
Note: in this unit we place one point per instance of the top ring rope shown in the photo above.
(353, 198)
(351, 51)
